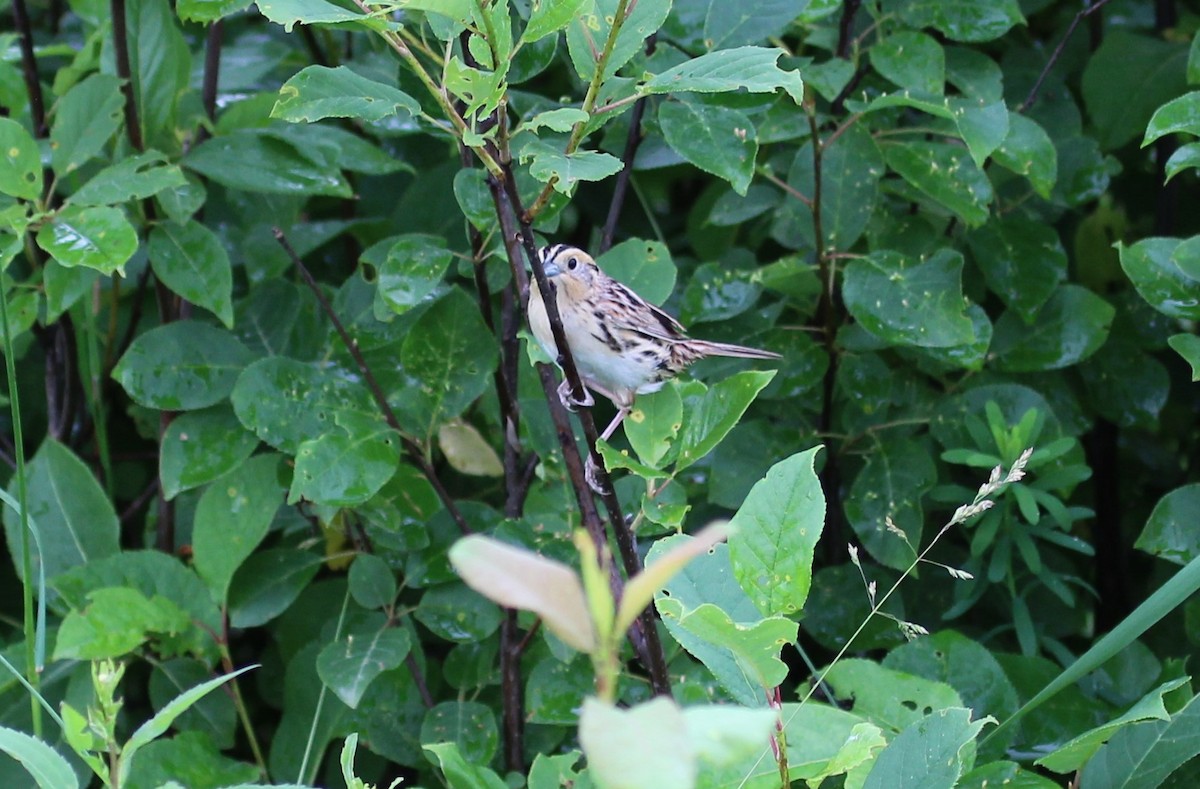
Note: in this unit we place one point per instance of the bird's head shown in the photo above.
(572, 270)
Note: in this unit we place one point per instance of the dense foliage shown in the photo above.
(271, 407)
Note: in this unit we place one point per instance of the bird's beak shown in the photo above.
(551, 269)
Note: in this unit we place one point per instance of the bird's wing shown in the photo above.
(633, 313)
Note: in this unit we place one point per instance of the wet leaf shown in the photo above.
(907, 302)
(98, 237)
(182, 366)
(718, 140)
(317, 92)
(349, 665)
(191, 260)
(1070, 327)
(85, 119)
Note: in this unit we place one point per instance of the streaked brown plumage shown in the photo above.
(623, 345)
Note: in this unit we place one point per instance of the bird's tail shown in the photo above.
(707, 348)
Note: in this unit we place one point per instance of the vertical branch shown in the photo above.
(212, 75)
(37, 105)
(133, 126)
(846, 26)
(827, 316)
(646, 642)
(632, 142)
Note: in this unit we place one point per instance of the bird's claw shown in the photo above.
(570, 401)
(590, 473)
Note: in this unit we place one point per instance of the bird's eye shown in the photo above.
(572, 263)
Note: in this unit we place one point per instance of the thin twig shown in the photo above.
(1037, 85)
(589, 102)
(632, 142)
(411, 448)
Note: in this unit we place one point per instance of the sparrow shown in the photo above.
(622, 344)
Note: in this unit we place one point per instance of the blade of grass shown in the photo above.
(1166, 599)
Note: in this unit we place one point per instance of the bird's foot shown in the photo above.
(572, 403)
(591, 474)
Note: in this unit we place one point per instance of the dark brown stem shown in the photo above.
(632, 142)
(511, 690)
(410, 447)
(828, 318)
(121, 47)
(846, 26)
(314, 47)
(647, 642)
(212, 75)
(37, 105)
(1037, 85)
(143, 497)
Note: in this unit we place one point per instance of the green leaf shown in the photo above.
(1126, 385)
(775, 532)
(653, 424)
(116, 621)
(1073, 755)
(1028, 151)
(20, 164)
(1023, 262)
(45, 766)
(467, 724)
(200, 446)
(372, 583)
(645, 266)
(1145, 754)
(348, 666)
(182, 366)
(588, 31)
(942, 171)
(155, 575)
(75, 519)
(1144, 72)
(1185, 157)
(191, 260)
(707, 578)
(562, 119)
(643, 747)
(206, 11)
(85, 119)
(157, 726)
(889, 490)
(963, 20)
(267, 584)
(1169, 532)
(454, 612)
(755, 646)
(549, 16)
(308, 12)
(888, 698)
(748, 22)
(1070, 327)
(851, 167)
(911, 60)
(160, 66)
(232, 518)
(135, 178)
(754, 68)
(1178, 115)
(344, 468)
(1159, 279)
(550, 165)
(909, 303)
(1187, 346)
(930, 754)
(451, 353)
(712, 415)
(718, 292)
(99, 237)
(1193, 65)
(718, 140)
(517, 578)
(461, 773)
(413, 270)
(189, 758)
(983, 125)
(317, 92)
(286, 402)
(256, 161)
